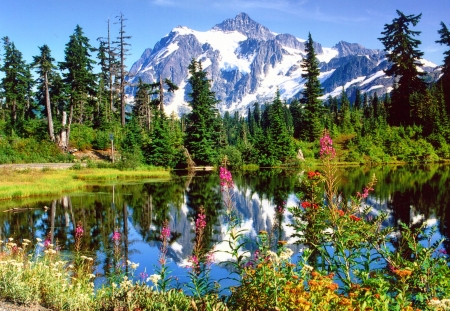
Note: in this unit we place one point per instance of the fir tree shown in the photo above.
(344, 113)
(122, 72)
(16, 83)
(45, 66)
(279, 142)
(142, 106)
(297, 117)
(358, 100)
(444, 32)
(402, 52)
(200, 121)
(312, 92)
(79, 77)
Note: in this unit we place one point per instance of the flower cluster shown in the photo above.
(116, 236)
(165, 232)
(200, 223)
(326, 147)
(365, 193)
(79, 231)
(306, 204)
(226, 180)
(355, 218)
(312, 174)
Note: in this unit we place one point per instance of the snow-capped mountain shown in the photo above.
(247, 63)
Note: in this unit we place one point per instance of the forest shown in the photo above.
(49, 108)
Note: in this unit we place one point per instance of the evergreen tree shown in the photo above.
(103, 110)
(200, 121)
(279, 146)
(445, 79)
(142, 105)
(402, 52)
(122, 69)
(297, 116)
(344, 114)
(16, 84)
(358, 100)
(44, 65)
(78, 76)
(311, 93)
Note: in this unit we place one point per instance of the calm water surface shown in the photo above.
(410, 194)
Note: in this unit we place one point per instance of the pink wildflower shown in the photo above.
(165, 233)
(326, 147)
(47, 243)
(209, 258)
(193, 261)
(116, 236)
(200, 223)
(365, 193)
(79, 231)
(226, 180)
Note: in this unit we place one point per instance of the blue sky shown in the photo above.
(32, 23)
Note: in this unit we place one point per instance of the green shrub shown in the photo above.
(81, 136)
(101, 141)
(233, 155)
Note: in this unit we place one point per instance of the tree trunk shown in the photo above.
(63, 134)
(49, 109)
(161, 94)
(70, 123)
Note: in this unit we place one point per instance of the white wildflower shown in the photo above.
(308, 267)
(286, 254)
(273, 256)
(154, 278)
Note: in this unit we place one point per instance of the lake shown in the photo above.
(410, 194)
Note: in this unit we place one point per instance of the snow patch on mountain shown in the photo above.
(225, 42)
(248, 63)
(376, 75)
(328, 54)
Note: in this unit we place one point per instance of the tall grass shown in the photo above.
(15, 184)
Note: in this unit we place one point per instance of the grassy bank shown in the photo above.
(15, 184)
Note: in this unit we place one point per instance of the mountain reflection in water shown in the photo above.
(410, 194)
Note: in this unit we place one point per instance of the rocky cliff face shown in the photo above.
(246, 62)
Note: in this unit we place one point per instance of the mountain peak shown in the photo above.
(245, 25)
(346, 48)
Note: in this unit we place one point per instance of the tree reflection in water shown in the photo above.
(412, 195)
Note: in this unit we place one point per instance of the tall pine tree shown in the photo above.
(44, 64)
(201, 120)
(16, 84)
(78, 75)
(402, 52)
(311, 93)
(444, 32)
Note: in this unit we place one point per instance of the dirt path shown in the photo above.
(7, 306)
(40, 165)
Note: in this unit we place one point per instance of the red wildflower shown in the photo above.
(340, 212)
(306, 204)
(355, 218)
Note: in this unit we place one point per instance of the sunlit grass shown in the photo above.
(15, 184)
(108, 174)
